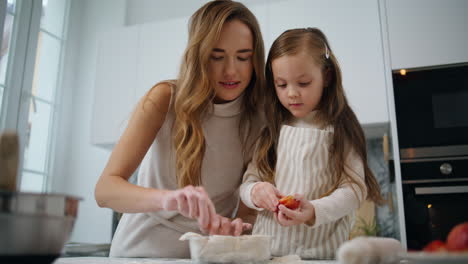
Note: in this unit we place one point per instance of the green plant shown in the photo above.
(370, 228)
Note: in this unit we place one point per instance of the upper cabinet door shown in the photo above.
(353, 30)
(427, 32)
(114, 91)
(160, 52)
(259, 9)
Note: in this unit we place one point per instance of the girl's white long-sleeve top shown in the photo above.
(302, 168)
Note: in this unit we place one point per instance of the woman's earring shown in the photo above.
(327, 53)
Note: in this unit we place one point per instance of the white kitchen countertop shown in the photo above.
(105, 260)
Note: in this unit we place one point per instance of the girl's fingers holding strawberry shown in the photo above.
(293, 214)
(299, 197)
(279, 194)
(272, 202)
(263, 199)
(272, 197)
(283, 219)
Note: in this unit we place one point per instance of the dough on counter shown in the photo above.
(369, 250)
(229, 249)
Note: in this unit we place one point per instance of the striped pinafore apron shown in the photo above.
(302, 167)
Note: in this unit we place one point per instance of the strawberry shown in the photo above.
(435, 246)
(290, 202)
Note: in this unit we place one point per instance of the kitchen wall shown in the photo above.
(146, 11)
(78, 163)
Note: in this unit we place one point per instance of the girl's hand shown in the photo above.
(265, 195)
(228, 227)
(192, 202)
(304, 214)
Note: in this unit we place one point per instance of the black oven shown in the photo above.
(432, 111)
(432, 123)
(435, 196)
(432, 210)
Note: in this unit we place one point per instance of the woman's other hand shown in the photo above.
(227, 227)
(192, 202)
(265, 195)
(305, 214)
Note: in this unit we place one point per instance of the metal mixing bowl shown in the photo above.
(35, 224)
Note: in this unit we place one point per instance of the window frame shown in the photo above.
(17, 92)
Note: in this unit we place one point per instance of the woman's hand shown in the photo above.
(192, 202)
(265, 195)
(304, 214)
(227, 227)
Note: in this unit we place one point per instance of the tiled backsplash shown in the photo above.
(386, 214)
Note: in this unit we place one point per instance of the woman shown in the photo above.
(195, 131)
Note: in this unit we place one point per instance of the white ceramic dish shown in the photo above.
(435, 258)
(228, 249)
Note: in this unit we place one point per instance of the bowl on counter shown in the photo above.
(35, 226)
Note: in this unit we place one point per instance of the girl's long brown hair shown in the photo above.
(333, 110)
(194, 94)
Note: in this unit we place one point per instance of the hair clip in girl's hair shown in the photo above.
(327, 52)
(314, 30)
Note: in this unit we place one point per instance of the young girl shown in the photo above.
(194, 131)
(313, 147)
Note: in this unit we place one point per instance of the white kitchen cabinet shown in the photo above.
(130, 61)
(259, 9)
(427, 32)
(353, 30)
(160, 52)
(114, 87)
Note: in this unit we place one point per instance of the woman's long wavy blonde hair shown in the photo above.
(333, 110)
(194, 94)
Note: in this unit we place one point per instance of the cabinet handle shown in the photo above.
(441, 190)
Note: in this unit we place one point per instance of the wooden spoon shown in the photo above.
(8, 161)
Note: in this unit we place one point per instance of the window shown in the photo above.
(35, 90)
(6, 43)
(43, 104)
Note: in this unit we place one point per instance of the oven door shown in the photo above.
(432, 210)
(431, 109)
